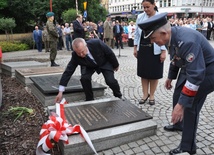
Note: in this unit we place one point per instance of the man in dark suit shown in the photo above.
(209, 28)
(79, 31)
(93, 55)
(118, 30)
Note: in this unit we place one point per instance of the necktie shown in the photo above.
(89, 59)
(93, 63)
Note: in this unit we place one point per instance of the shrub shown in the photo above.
(13, 46)
(28, 41)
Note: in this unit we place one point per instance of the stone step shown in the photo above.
(23, 75)
(9, 68)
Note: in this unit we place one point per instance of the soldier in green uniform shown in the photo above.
(53, 37)
(45, 39)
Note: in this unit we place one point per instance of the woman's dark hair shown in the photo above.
(152, 2)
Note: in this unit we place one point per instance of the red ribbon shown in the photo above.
(57, 128)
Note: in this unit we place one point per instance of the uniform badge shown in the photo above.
(190, 57)
(180, 43)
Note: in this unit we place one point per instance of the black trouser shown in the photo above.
(209, 34)
(59, 44)
(109, 79)
(118, 38)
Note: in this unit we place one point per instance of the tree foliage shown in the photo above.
(95, 11)
(29, 13)
(69, 15)
(3, 4)
(7, 24)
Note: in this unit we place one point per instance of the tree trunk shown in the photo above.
(7, 37)
(11, 32)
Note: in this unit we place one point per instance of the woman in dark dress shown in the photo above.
(150, 56)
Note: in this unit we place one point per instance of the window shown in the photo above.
(161, 4)
(169, 3)
(164, 5)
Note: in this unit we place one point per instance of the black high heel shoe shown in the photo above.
(142, 101)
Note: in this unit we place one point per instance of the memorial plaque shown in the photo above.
(23, 75)
(105, 114)
(39, 70)
(10, 67)
(49, 84)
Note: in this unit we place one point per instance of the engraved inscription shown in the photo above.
(104, 115)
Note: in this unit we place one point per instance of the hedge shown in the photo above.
(13, 46)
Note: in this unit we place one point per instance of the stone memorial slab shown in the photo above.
(115, 122)
(106, 114)
(10, 67)
(23, 75)
(49, 84)
(45, 88)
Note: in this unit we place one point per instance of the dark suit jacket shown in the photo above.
(115, 30)
(209, 27)
(78, 30)
(102, 54)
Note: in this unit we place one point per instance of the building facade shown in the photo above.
(175, 8)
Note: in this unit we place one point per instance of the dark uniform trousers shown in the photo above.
(53, 50)
(86, 74)
(176, 94)
(191, 115)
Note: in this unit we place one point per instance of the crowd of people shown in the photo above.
(151, 37)
(67, 32)
(204, 25)
(112, 32)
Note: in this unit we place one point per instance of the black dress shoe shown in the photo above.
(89, 99)
(122, 98)
(171, 128)
(178, 151)
(54, 65)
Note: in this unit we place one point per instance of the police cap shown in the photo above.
(153, 23)
(49, 14)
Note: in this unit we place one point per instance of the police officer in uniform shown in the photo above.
(195, 57)
(53, 37)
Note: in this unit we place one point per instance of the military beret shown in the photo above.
(108, 15)
(49, 14)
(153, 23)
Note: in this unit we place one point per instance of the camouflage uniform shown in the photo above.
(53, 37)
(45, 39)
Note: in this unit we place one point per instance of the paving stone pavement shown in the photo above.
(162, 142)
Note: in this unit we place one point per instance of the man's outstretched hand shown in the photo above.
(58, 97)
